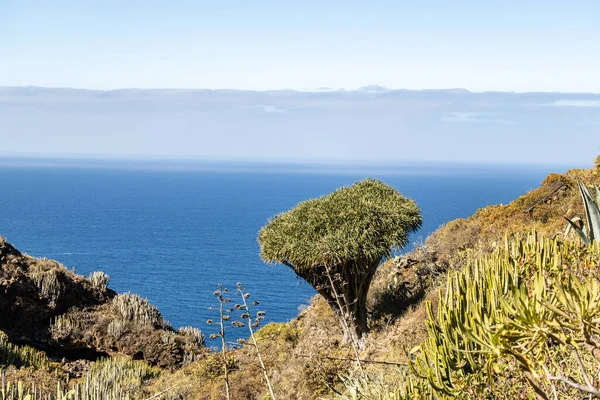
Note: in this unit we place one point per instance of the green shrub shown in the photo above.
(322, 374)
(212, 366)
(278, 332)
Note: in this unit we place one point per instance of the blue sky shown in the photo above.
(303, 45)
(511, 46)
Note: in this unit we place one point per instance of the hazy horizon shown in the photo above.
(371, 88)
(373, 124)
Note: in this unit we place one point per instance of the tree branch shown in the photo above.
(395, 364)
(540, 394)
(591, 390)
(582, 368)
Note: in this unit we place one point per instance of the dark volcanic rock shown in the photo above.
(34, 291)
(46, 306)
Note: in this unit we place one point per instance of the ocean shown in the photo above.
(173, 234)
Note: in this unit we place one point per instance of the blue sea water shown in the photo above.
(173, 235)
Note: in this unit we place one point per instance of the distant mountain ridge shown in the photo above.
(371, 89)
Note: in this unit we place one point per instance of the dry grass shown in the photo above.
(541, 209)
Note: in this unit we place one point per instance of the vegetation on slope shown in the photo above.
(516, 321)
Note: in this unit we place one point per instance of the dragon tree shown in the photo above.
(337, 242)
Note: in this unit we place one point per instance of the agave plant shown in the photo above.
(592, 213)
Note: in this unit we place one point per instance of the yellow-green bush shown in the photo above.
(213, 366)
(320, 373)
(373, 388)
(278, 331)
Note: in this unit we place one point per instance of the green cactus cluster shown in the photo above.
(132, 307)
(113, 379)
(109, 379)
(373, 389)
(48, 277)
(18, 391)
(20, 356)
(99, 280)
(533, 305)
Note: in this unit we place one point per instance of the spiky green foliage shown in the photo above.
(113, 379)
(109, 379)
(194, 334)
(48, 275)
(99, 279)
(592, 213)
(20, 356)
(345, 234)
(408, 388)
(18, 391)
(134, 308)
(532, 307)
(363, 222)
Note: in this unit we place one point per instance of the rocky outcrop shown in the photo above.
(46, 306)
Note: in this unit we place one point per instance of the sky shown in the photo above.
(303, 45)
(302, 80)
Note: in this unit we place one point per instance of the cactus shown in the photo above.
(134, 308)
(17, 391)
(99, 280)
(195, 335)
(109, 379)
(20, 356)
(533, 305)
